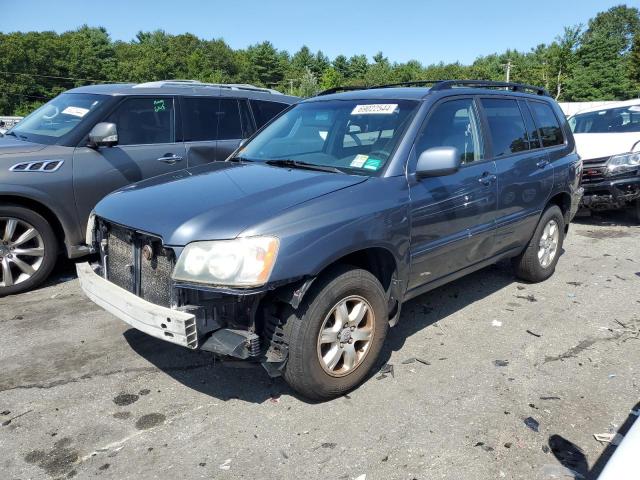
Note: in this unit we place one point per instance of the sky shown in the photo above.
(427, 31)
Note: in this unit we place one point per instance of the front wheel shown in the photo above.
(28, 249)
(538, 261)
(336, 335)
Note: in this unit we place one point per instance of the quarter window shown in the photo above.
(145, 120)
(506, 126)
(548, 125)
(265, 111)
(454, 124)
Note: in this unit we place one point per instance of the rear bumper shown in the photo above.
(165, 323)
(611, 194)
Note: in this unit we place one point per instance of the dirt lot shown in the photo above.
(82, 395)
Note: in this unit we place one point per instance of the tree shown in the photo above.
(604, 69)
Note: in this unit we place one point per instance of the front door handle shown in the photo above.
(487, 178)
(170, 158)
(542, 163)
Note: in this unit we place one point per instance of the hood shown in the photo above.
(12, 145)
(598, 145)
(216, 201)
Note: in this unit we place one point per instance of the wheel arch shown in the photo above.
(41, 209)
(563, 201)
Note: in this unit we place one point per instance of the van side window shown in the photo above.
(211, 119)
(229, 126)
(143, 121)
(265, 111)
(548, 125)
(532, 132)
(454, 123)
(247, 122)
(506, 126)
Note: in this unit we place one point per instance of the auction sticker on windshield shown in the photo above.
(75, 111)
(375, 109)
(358, 161)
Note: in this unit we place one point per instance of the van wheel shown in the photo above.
(538, 261)
(336, 334)
(28, 249)
(635, 211)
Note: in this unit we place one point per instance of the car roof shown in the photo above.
(418, 91)
(186, 88)
(609, 106)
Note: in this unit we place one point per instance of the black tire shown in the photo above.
(303, 370)
(50, 248)
(635, 211)
(527, 265)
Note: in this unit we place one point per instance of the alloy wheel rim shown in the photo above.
(548, 245)
(345, 336)
(21, 251)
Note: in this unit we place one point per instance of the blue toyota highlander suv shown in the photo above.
(299, 251)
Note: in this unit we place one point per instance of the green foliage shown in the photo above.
(599, 62)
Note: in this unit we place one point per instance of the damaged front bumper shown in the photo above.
(611, 194)
(225, 324)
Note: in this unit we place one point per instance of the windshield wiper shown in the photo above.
(240, 159)
(308, 166)
(10, 133)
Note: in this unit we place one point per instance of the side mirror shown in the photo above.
(103, 134)
(438, 161)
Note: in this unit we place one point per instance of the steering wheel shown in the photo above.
(55, 113)
(381, 154)
(355, 138)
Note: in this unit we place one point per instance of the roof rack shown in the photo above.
(515, 87)
(195, 83)
(446, 84)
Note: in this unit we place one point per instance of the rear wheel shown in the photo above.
(538, 261)
(635, 210)
(28, 249)
(336, 335)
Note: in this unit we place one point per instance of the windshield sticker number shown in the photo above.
(76, 111)
(159, 106)
(373, 164)
(375, 109)
(359, 161)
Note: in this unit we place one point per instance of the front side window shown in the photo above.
(454, 124)
(506, 126)
(612, 120)
(354, 136)
(548, 126)
(57, 118)
(143, 121)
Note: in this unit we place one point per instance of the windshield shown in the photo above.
(57, 117)
(349, 135)
(612, 120)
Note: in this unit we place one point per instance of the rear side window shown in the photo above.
(506, 126)
(532, 131)
(211, 119)
(548, 126)
(265, 111)
(143, 121)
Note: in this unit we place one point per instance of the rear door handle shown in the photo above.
(542, 163)
(487, 178)
(170, 158)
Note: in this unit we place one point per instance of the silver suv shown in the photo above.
(58, 162)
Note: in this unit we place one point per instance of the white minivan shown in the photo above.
(608, 140)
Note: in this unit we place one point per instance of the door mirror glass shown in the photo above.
(104, 134)
(438, 161)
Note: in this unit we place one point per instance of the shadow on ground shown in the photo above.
(572, 457)
(201, 372)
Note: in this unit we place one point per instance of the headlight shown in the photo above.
(623, 162)
(243, 262)
(89, 233)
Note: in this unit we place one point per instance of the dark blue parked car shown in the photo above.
(299, 251)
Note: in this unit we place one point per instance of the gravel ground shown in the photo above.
(81, 395)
